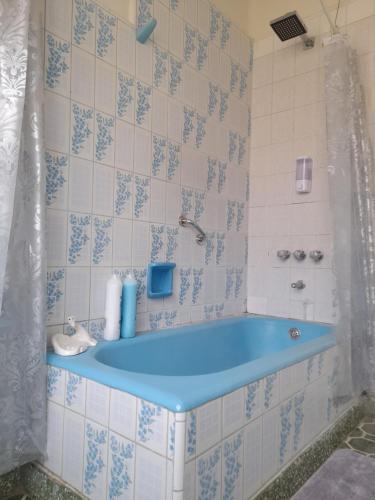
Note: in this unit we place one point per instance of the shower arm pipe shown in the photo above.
(184, 221)
(334, 28)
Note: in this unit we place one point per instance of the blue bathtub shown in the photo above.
(185, 367)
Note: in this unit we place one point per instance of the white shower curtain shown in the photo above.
(351, 179)
(22, 256)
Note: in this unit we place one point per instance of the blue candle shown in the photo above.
(128, 307)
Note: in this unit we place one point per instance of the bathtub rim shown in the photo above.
(165, 390)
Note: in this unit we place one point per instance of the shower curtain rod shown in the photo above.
(334, 29)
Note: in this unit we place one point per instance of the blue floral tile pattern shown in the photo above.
(143, 102)
(96, 329)
(172, 233)
(224, 97)
(199, 205)
(56, 177)
(220, 247)
(269, 385)
(144, 12)
(84, 21)
(54, 293)
(211, 172)
(189, 43)
(243, 83)
(231, 214)
(157, 242)
(104, 135)
(208, 473)
(197, 284)
(285, 428)
(247, 191)
(234, 76)
(214, 22)
(142, 194)
(102, 230)
(72, 385)
(175, 75)
(53, 376)
(241, 149)
(122, 453)
(191, 433)
(174, 160)
(250, 404)
(140, 276)
(105, 32)
(210, 247)
(125, 95)
(225, 32)
(56, 61)
(154, 320)
(123, 192)
(233, 139)
(208, 312)
(219, 310)
(82, 127)
(96, 441)
(201, 130)
(79, 228)
(186, 201)
(232, 451)
(202, 51)
(184, 285)
(189, 116)
(239, 281)
(229, 282)
(170, 318)
(298, 419)
(248, 122)
(240, 214)
(213, 97)
(146, 418)
(159, 154)
(160, 66)
(222, 177)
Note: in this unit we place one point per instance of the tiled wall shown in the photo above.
(110, 444)
(289, 121)
(135, 136)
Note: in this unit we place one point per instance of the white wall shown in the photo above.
(288, 120)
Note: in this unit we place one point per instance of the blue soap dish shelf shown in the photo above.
(160, 279)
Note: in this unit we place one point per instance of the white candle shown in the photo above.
(113, 308)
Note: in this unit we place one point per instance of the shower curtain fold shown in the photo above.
(22, 241)
(351, 182)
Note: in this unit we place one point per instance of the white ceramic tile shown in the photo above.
(56, 115)
(233, 412)
(208, 468)
(80, 185)
(232, 479)
(252, 467)
(105, 87)
(151, 475)
(77, 293)
(103, 190)
(122, 231)
(124, 144)
(142, 151)
(157, 202)
(75, 393)
(56, 241)
(104, 138)
(143, 62)
(123, 414)
(161, 13)
(208, 425)
(56, 384)
(126, 47)
(74, 436)
(99, 277)
(59, 17)
(140, 243)
(176, 36)
(97, 402)
(55, 423)
(83, 76)
(270, 443)
(159, 113)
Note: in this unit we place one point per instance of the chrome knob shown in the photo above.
(294, 333)
(283, 254)
(316, 255)
(298, 285)
(299, 254)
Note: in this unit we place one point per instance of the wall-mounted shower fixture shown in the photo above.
(299, 255)
(283, 254)
(184, 222)
(316, 255)
(298, 285)
(290, 26)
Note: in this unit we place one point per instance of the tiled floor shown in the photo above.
(362, 438)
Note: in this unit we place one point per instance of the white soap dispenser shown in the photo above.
(113, 308)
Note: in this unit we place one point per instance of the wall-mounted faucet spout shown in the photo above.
(184, 222)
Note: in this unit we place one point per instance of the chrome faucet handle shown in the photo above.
(283, 254)
(316, 255)
(299, 254)
(298, 285)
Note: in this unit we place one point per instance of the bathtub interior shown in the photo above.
(102, 440)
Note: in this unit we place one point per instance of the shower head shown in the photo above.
(289, 26)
